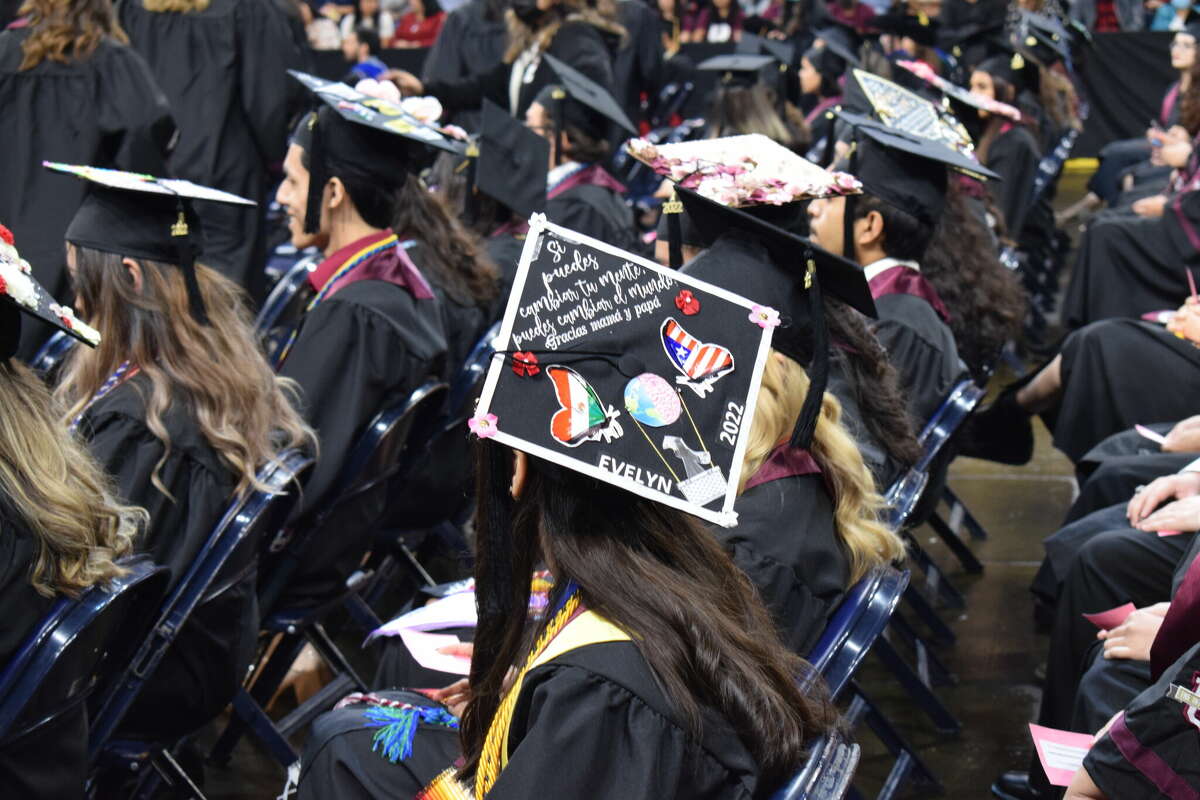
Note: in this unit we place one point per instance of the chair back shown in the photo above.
(951, 414)
(52, 353)
(826, 773)
(79, 647)
(855, 626)
(283, 308)
(472, 372)
(333, 544)
(254, 512)
(903, 496)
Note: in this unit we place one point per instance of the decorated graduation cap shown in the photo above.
(578, 100)
(739, 171)
(612, 366)
(871, 99)
(793, 271)
(141, 216)
(361, 135)
(958, 94)
(21, 293)
(511, 162)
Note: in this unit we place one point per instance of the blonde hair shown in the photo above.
(868, 541)
(52, 484)
(245, 412)
(67, 30)
(179, 6)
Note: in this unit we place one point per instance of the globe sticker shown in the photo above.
(652, 401)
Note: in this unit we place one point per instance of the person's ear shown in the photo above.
(520, 473)
(869, 230)
(135, 273)
(336, 193)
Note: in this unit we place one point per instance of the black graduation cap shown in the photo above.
(141, 216)
(583, 89)
(870, 99)
(372, 137)
(838, 51)
(915, 143)
(792, 271)
(512, 162)
(918, 27)
(959, 40)
(22, 293)
(1043, 36)
(958, 93)
(743, 69)
(612, 366)
(783, 52)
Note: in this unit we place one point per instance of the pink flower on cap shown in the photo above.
(484, 427)
(764, 316)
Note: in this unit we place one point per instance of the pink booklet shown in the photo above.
(1061, 752)
(1107, 620)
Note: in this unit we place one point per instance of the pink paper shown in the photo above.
(1107, 620)
(424, 649)
(1161, 317)
(1169, 533)
(1157, 438)
(1061, 752)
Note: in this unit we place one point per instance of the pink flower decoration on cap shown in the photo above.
(484, 427)
(764, 317)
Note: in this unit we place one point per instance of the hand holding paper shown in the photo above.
(1107, 620)
(1061, 752)
(427, 650)
(1168, 487)
(1132, 638)
(1182, 515)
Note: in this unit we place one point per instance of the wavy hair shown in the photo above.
(245, 412)
(601, 14)
(53, 485)
(67, 30)
(737, 110)
(176, 6)
(869, 543)
(654, 572)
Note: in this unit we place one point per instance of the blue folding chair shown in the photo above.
(254, 513)
(52, 353)
(826, 773)
(79, 648)
(374, 471)
(856, 627)
(283, 307)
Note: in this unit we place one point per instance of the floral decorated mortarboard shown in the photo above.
(958, 93)
(143, 216)
(740, 171)
(22, 293)
(612, 366)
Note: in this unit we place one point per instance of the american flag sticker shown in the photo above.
(700, 363)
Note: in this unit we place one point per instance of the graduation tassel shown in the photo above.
(818, 371)
(560, 98)
(318, 176)
(673, 208)
(471, 210)
(398, 727)
(187, 262)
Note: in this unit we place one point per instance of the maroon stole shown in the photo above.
(594, 175)
(785, 461)
(900, 279)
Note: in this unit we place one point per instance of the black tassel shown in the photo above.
(673, 208)
(818, 371)
(318, 176)
(186, 248)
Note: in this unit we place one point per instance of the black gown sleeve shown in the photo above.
(266, 51)
(1015, 159)
(464, 94)
(133, 115)
(444, 60)
(921, 366)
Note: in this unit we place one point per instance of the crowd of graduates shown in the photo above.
(708, 346)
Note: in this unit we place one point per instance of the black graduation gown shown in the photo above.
(463, 322)
(364, 348)
(638, 64)
(1014, 156)
(1130, 265)
(205, 666)
(591, 723)
(468, 44)
(224, 70)
(921, 348)
(106, 110)
(1118, 373)
(1111, 471)
(505, 252)
(847, 390)
(596, 211)
(787, 544)
(1155, 743)
(577, 44)
(51, 762)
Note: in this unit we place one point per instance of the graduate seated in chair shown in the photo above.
(62, 527)
(180, 407)
(654, 672)
(374, 331)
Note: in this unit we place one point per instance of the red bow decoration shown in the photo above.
(525, 365)
(6, 235)
(686, 302)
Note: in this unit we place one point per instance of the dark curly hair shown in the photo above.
(986, 300)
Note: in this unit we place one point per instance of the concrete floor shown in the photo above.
(994, 659)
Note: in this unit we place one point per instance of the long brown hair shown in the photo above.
(657, 574)
(245, 412)
(176, 6)
(1189, 104)
(460, 265)
(601, 14)
(857, 504)
(737, 110)
(67, 30)
(987, 298)
(51, 483)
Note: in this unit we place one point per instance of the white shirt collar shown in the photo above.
(560, 173)
(884, 264)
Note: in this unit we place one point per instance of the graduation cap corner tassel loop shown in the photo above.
(181, 231)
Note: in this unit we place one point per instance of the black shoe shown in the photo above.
(1015, 786)
(1002, 432)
